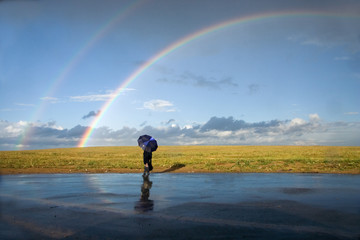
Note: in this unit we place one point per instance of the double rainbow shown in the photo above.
(192, 37)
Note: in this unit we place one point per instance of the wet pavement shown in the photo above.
(180, 206)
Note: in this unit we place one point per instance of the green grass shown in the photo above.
(321, 159)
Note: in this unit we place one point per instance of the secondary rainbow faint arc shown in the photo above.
(182, 42)
(77, 57)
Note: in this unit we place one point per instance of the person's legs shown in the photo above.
(146, 166)
(146, 169)
(147, 158)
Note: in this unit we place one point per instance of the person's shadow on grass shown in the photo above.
(145, 204)
(174, 167)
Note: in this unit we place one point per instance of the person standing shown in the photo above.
(148, 144)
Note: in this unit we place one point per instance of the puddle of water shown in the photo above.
(130, 191)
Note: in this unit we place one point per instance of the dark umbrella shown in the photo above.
(147, 143)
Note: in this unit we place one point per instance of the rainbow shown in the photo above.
(186, 40)
(74, 61)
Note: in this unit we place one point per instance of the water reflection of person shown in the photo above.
(145, 204)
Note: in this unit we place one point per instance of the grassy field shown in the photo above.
(304, 159)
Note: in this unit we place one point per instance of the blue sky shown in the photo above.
(286, 80)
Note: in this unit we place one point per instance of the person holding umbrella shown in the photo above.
(149, 145)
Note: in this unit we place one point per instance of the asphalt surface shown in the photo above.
(180, 206)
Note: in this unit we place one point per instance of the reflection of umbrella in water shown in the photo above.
(147, 143)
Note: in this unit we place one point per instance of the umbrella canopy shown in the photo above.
(147, 143)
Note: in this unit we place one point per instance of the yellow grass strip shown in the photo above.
(300, 159)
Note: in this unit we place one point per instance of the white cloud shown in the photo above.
(314, 117)
(329, 33)
(50, 99)
(344, 58)
(93, 98)
(8, 129)
(37, 135)
(289, 132)
(297, 122)
(351, 113)
(98, 97)
(25, 104)
(21, 107)
(315, 42)
(159, 105)
(217, 131)
(13, 130)
(6, 109)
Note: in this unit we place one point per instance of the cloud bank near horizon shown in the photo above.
(216, 131)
